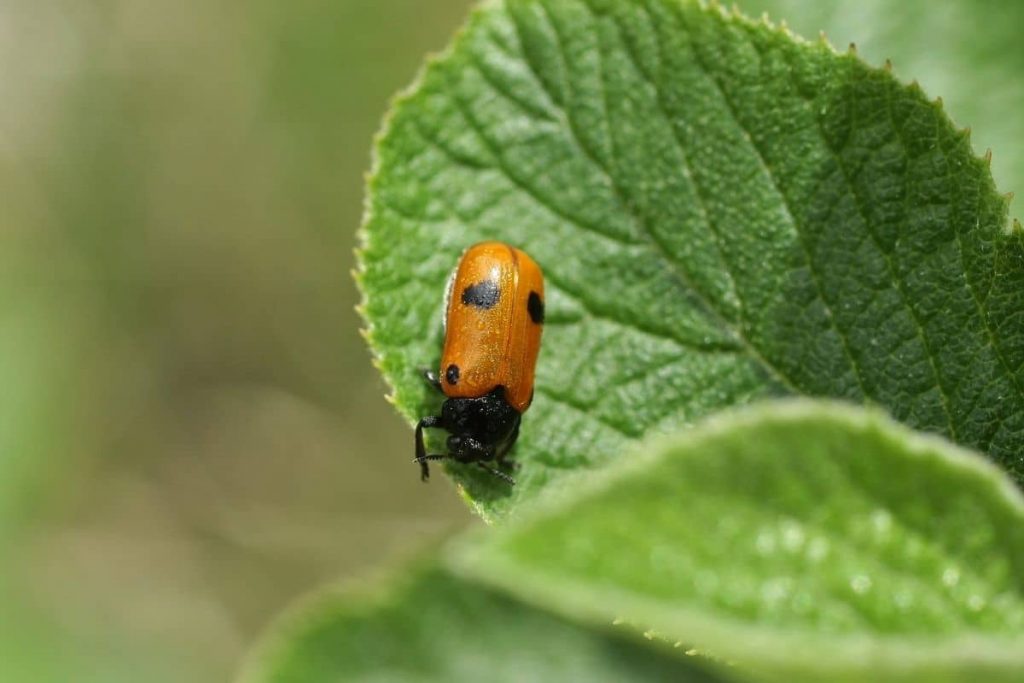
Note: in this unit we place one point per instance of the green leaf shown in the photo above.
(796, 538)
(966, 50)
(723, 212)
(431, 626)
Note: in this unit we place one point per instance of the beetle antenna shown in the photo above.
(499, 474)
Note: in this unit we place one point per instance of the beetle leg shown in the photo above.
(422, 460)
(432, 378)
(506, 447)
(421, 451)
(499, 474)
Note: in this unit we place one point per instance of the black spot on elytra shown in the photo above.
(451, 375)
(482, 295)
(536, 308)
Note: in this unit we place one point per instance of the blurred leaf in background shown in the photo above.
(190, 429)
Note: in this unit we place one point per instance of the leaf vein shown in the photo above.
(991, 332)
(783, 201)
(684, 154)
(520, 184)
(683, 280)
(890, 267)
(675, 267)
(596, 314)
(589, 413)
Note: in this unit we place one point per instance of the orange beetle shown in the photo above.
(494, 314)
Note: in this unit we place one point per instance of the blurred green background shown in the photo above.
(191, 432)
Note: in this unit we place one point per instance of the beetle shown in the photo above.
(494, 316)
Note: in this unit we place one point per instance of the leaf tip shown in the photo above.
(852, 49)
(987, 158)
(888, 65)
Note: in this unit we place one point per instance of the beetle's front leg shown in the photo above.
(421, 450)
(432, 378)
